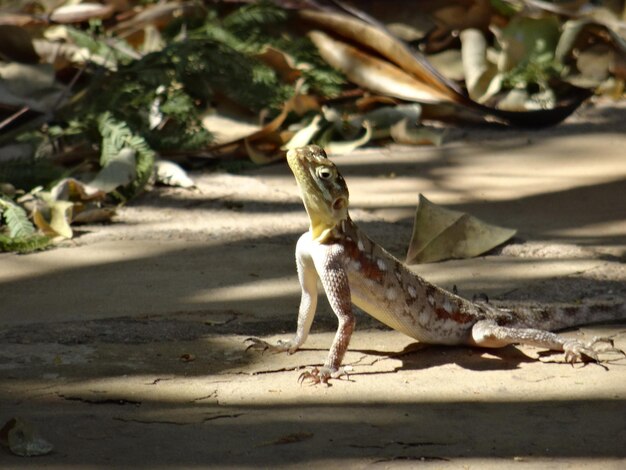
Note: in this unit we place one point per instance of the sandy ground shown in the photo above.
(125, 347)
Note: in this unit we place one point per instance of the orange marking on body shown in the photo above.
(369, 267)
(456, 316)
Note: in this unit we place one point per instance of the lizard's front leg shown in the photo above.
(307, 276)
(330, 265)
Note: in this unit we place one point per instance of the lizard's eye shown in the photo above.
(324, 173)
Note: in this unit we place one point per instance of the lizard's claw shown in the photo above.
(261, 345)
(322, 375)
(575, 351)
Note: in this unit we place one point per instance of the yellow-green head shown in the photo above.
(322, 188)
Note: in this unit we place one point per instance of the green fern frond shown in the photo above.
(253, 19)
(16, 219)
(116, 135)
(23, 245)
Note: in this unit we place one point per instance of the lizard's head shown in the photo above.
(323, 189)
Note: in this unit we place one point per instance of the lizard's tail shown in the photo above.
(559, 316)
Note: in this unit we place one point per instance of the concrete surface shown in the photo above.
(124, 347)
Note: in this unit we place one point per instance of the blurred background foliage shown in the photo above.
(100, 100)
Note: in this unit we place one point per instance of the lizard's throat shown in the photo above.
(324, 222)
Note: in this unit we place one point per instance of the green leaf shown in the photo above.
(16, 219)
(23, 245)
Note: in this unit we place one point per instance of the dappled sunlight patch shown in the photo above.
(257, 289)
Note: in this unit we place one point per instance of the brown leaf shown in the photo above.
(71, 189)
(281, 62)
(388, 46)
(372, 36)
(91, 214)
(373, 73)
(263, 146)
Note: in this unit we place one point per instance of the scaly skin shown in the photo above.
(354, 270)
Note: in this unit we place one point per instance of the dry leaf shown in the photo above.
(55, 218)
(392, 49)
(92, 214)
(305, 135)
(260, 156)
(406, 132)
(263, 145)
(440, 233)
(22, 439)
(171, 174)
(345, 147)
(118, 172)
(75, 190)
(373, 73)
(77, 13)
(281, 62)
(479, 73)
(31, 85)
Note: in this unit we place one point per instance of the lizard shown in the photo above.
(355, 270)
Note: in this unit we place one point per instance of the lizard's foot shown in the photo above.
(322, 375)
(281, 346)
(576, 351)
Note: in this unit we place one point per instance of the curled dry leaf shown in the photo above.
(345, 147)
(406, 132)
(383, 118)
(440, 233)
(264, 145)
(305, 135)
(282, 63)
(75, 190)
(78, 13)
(366, 70)
(479, 72)
(262, 152)
(371, 72)
(599, 58)
(22, 439)
(54, 219)
(397, 52)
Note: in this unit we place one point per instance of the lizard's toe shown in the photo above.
(313, 376)
(260, 345)
(576, 351)
(323, 374)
